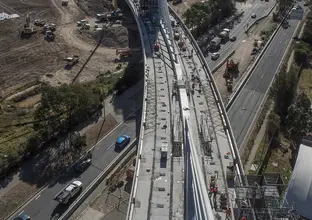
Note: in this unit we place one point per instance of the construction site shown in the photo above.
(262, 198)
(36, 46)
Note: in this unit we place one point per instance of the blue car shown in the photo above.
(22, 217)
(122, 141)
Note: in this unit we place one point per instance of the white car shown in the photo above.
(215, 56)
(253, 15)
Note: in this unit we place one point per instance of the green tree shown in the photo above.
(301, 53)
(208, 14)
(307, 31)
(77, 141)
(284, 91)
(299, 114)
(273, 125)
(65, 106)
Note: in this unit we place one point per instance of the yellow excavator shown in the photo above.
(28, 29)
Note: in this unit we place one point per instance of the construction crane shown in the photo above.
(28, 29)
(115, 5)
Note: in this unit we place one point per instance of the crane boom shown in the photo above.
(114, 2)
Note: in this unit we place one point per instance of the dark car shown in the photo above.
(82, 165)
(22, 217)
(122, 141)
(233, 38)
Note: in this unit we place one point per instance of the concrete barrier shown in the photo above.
(226, 124)
(250, 71)
(135, 13)
(72, 208)
(263, 17)
(222, 62)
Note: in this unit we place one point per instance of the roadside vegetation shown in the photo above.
(48, 114)
(290, 117)
(202, 16)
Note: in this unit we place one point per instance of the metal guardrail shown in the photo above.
(217, 96)
(72, 208)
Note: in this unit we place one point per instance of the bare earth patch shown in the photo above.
(15, 197)
(92, 134)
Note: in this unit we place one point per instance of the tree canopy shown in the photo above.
(207, 14)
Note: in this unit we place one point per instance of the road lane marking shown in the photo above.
(37, 197)
(110, 146)
(262, 75)
(21, 212)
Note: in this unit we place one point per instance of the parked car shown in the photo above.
(122, 141)
(22, 216)
(233, 38)
(253, 15)
(215, 56)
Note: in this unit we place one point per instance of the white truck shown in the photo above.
(68, 192)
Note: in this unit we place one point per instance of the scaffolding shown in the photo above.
(262, 198)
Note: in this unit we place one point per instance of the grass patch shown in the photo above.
(280, 163)
(305, 82)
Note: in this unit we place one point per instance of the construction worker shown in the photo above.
(228, 214)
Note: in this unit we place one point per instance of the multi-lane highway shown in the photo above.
(260, 8)
(247, 103)
(44, 207)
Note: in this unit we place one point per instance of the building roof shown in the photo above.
(299, 194)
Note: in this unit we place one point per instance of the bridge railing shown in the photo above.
(222, 111)
(142, 127)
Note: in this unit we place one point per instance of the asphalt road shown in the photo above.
(44, 207)
(260, 8)
(244, 109)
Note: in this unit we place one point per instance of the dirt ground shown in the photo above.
(25, 61)
(243, 56)
(111, 204)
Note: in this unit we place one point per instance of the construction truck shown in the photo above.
(225, 36)
(64, 2)
(69, 192)
(231, 70)
(49, 36)
(28, 29)
(215, 43)
(176, 2)
(39, 22)
(48, 27)
(123, 52)
(82, 22)
(71, 61)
